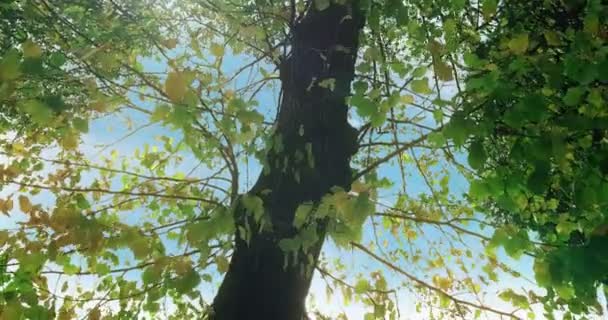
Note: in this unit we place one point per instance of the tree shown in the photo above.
(313, 146)
(545, 104)
(378, 104)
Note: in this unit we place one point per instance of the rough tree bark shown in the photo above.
(257, 284)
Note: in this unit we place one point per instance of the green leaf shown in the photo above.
(160, 113)
(580, 70)
(70, 269)
(302, 213)
(188, 281)
(39, 112)
(139, 246)
(407, 99)
(591, 24)
(364, 106)
(289, 245)
(488, 8)
(421, 86)
(32, 262)
(362, 286)
(437, 139)
(565, 227)
(342, 234)
(57, 59)
(81, 124)
(329, 83)
(595, 98)
(9, 65)
(31, 66)
(514, 242)
(573, 96)
(102, 269)
(82, 202)
(249, 116)
(321, 4)
(419, 72)
(517, 244)
(517, 300)
(180, 116)
(542, 272)
(539, 179)
(254, 205)
(472, 60)
(533, 107)
(602, 70)
(457, 129)
(565, 291)
(378, 119)
(477, 155)
(362, 208)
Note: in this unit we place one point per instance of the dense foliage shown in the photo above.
(482, 126)
(536, 117)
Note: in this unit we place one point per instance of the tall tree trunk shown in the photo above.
(312, 125)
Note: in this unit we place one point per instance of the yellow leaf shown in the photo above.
(182, 266)
(217, 50)
(11, 310)
(25, 204)
(591, 24)
(170, 43)
(442, 70)
(69, 141)
(552, 38)
(222, 264)
(340, 200)
(444, 283)
(411, 234)
(98, 106)
(31, 50)
(6, 206)
(12, 171)
(9, 66)
(18, 148)
(95, 314)
(435, 47)
(140, 247)
(176, 86)
(519, 43)
(359, 187)
(407, 99)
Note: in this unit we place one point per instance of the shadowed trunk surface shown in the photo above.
(311, 154)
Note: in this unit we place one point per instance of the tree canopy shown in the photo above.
(131, 133)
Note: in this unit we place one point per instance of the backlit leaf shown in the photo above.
(321, 4)
(31, 49)
(519, 43)
(421, 86)
(217, 50)
(176, 86)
